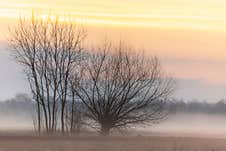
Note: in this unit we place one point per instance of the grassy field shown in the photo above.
(21, 142)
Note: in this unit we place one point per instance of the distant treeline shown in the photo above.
(19, 106)
(195, 106)
(22, 105)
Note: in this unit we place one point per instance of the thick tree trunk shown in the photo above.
(105, 129)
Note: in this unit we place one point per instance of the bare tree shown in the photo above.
(75, 117)
(49, 51)
(121, 88)
(75, 108)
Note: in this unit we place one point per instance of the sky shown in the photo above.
(189, 37)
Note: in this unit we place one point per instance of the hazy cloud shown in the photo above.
(12, 80)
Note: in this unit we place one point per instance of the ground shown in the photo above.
(27, 142)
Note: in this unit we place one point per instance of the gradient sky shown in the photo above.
(189, 36)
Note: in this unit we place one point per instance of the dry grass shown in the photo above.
(22, 142)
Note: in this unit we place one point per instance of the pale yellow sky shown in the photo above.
(188, 35)
(204, 14)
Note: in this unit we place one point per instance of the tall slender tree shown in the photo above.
(49, 51)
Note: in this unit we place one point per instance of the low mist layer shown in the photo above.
(183, 119)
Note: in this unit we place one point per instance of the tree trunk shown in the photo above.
(39, 115)
(62, 119)
(105, 129)
(72, 112)
(46, 117)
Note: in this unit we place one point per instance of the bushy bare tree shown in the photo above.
(121, 88)
(49, 51)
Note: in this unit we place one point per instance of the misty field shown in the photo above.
(116, 143)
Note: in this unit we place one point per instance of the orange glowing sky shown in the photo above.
(188, 35)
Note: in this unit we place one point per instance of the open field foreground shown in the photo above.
(94, 143)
